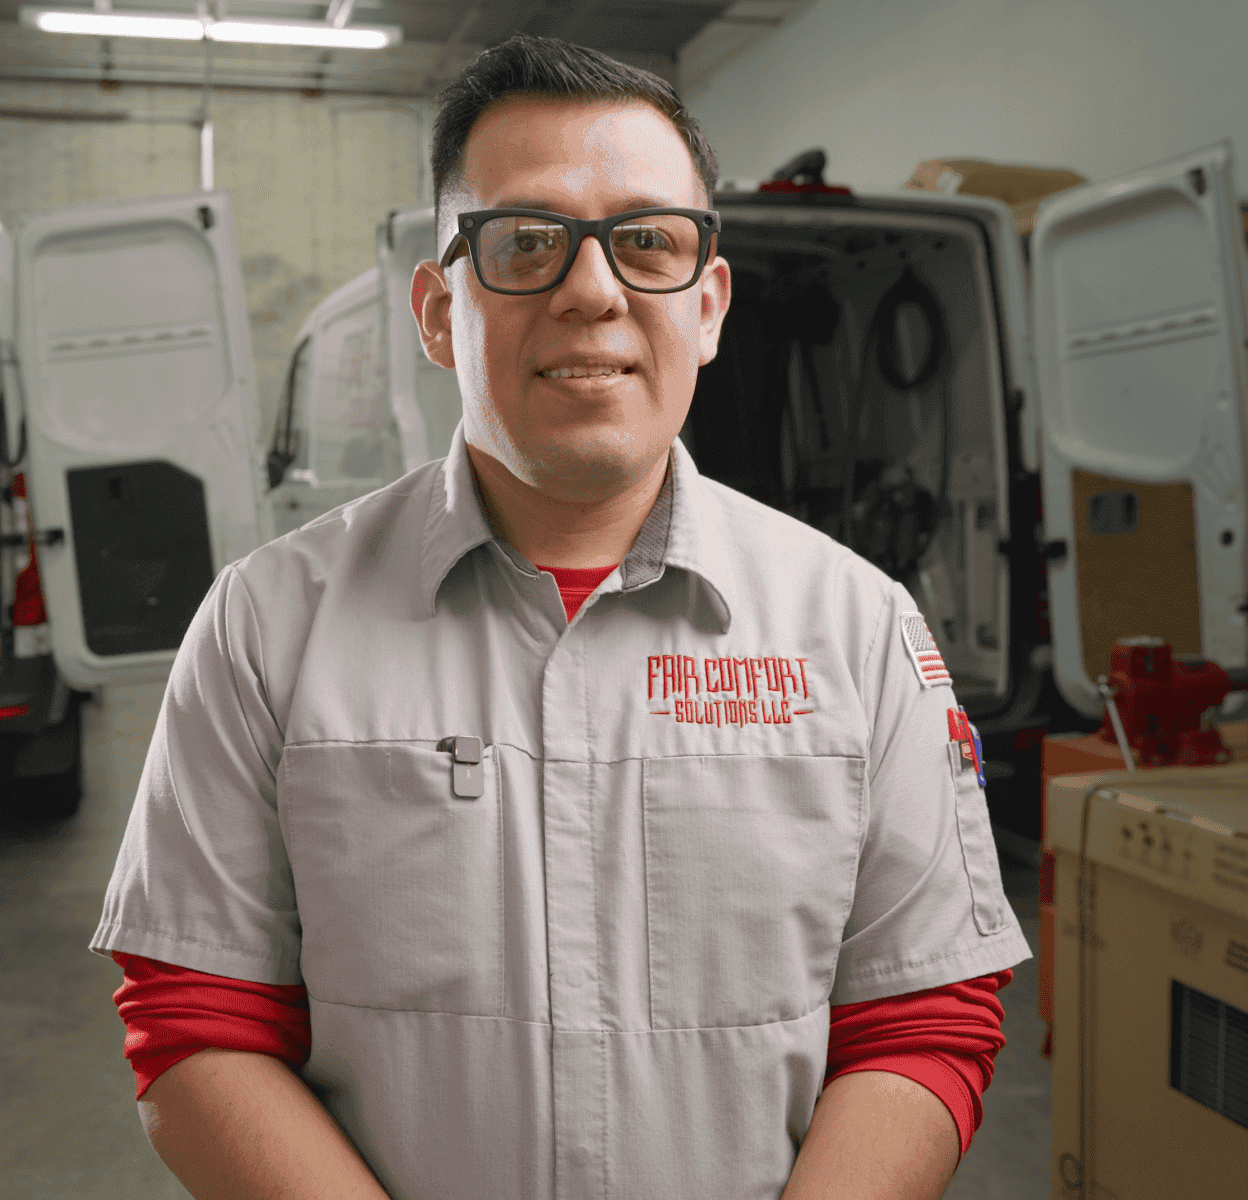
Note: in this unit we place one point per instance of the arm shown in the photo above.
(876, 1136)
(233, 1125)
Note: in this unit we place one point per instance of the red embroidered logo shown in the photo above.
(728, 691)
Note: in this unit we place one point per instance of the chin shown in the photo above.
(592, 467)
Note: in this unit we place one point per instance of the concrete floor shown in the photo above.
(70, 1127)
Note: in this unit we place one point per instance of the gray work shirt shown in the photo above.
(719, 800)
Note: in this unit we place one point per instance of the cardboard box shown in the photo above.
(1077, 753)
(1150, 1041)
(1022, 188)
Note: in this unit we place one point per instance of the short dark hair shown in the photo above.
(542, 66)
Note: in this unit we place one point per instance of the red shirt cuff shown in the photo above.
(172, 1012)
(943, 1038)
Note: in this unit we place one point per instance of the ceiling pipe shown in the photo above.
(339, 12)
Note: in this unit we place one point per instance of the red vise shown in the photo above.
(1164, 701)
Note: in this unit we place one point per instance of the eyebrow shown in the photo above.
(545, 205)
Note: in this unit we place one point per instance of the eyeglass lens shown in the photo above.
(522, 253)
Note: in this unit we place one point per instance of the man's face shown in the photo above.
(576, 439)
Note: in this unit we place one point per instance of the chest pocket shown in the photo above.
(397, 880)
(979, 848)
(750, 869)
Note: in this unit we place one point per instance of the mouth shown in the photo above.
(590, 371)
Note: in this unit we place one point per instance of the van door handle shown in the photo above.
(1055, 549)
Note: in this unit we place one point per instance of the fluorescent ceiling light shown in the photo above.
(189, 29)
(263, 31)
(302, 33)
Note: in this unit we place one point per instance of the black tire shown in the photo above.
(54, 794)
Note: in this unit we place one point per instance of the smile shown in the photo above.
(582, 372)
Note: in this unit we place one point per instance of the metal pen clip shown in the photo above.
(467, 772)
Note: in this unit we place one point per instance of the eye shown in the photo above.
(640, 237)
(529, 242)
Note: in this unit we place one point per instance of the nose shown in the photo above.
(590, 284)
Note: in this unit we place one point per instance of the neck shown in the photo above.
(558, 533)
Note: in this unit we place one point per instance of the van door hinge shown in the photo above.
(45, 537)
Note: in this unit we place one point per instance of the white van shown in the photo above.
(130, 475)
(1048, 462)
(335, 436)
(363, 404)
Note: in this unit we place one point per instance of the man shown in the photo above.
(570, 881)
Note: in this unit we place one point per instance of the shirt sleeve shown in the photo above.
(171, 1013)
(943, 1038)
(928, 908)
(202, 878)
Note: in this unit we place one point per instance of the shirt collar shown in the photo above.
(682, 530)
(455, 523)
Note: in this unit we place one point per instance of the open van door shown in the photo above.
(425, 397)
(1143, 384)
(140, 403)
(336, 438)
(10, 424)
(8, 396)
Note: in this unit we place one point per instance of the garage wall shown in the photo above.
(1099, 86)
(309, 179)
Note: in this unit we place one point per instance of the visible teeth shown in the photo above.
(576, 372)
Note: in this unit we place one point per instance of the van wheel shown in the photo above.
(47, 770)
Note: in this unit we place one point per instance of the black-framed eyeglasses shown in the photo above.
(523, 251)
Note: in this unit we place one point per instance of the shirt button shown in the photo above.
(581, 1155)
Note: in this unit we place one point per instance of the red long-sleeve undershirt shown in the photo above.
(944, 1038)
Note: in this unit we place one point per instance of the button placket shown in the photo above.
(577, 1046)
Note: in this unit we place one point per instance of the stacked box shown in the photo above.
(1074, 753)
(1150, 982)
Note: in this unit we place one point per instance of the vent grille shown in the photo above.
(1209, 1051)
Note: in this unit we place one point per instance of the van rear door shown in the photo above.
(1139, 340)
(425, 397)
(140, 401)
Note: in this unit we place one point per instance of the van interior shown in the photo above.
(858, 387)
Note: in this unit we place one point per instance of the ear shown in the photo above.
(716, 288)
(431, 306)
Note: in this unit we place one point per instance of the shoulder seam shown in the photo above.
(264, 675)
(875, 640)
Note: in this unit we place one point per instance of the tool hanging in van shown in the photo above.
(900, 520)
(896, 518)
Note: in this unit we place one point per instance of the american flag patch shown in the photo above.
(923, 651)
